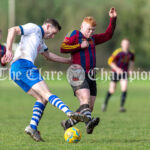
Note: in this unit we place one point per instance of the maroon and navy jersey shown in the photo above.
(121, 59)
(86, 57)
(2, 52)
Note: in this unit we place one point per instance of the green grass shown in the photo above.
(117, 131)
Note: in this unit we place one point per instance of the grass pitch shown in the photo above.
(117, 131)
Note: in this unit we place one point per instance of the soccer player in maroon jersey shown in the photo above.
(81, 45)
(121, 63)
(2, 50)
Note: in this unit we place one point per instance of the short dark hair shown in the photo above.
(53, 22)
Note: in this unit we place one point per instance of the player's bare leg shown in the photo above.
(34, 133)
(84, 98)
(37, 96)
(41, 92)
(124, 85)
(92, 102)
(112, 88)
(42, 89)
(95, 121)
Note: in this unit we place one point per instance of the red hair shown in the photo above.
(90, 20)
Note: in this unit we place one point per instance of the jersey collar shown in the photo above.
(42, 31)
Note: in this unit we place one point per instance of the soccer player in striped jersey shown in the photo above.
(81, 45)
(26, 74)
(121, 63)
(2, 50)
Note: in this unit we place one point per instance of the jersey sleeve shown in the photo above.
(28, 28)
(43, 47)
(114, 56)
(107, 35)
(70, 43)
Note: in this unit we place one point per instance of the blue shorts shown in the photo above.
(24, 73)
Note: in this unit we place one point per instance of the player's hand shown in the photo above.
(69, 60)
(84, 44)
(119, 71)
(113, 13)
(7, 57)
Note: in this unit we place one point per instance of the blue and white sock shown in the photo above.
(37, 114)
(55, 101)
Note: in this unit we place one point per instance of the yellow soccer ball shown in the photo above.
(72, 135)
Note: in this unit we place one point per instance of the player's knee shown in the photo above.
(111, 91)
(124, 88)
(43, 100)
(46, 96)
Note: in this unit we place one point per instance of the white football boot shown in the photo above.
(35, 134)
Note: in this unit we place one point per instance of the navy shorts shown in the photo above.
(117, 77)
(87, 84)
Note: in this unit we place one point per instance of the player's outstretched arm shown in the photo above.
(12, 32)
(112, 13)
(53, 57)
(107, 35)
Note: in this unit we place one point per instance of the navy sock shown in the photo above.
(123, 98)
(107, 98)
